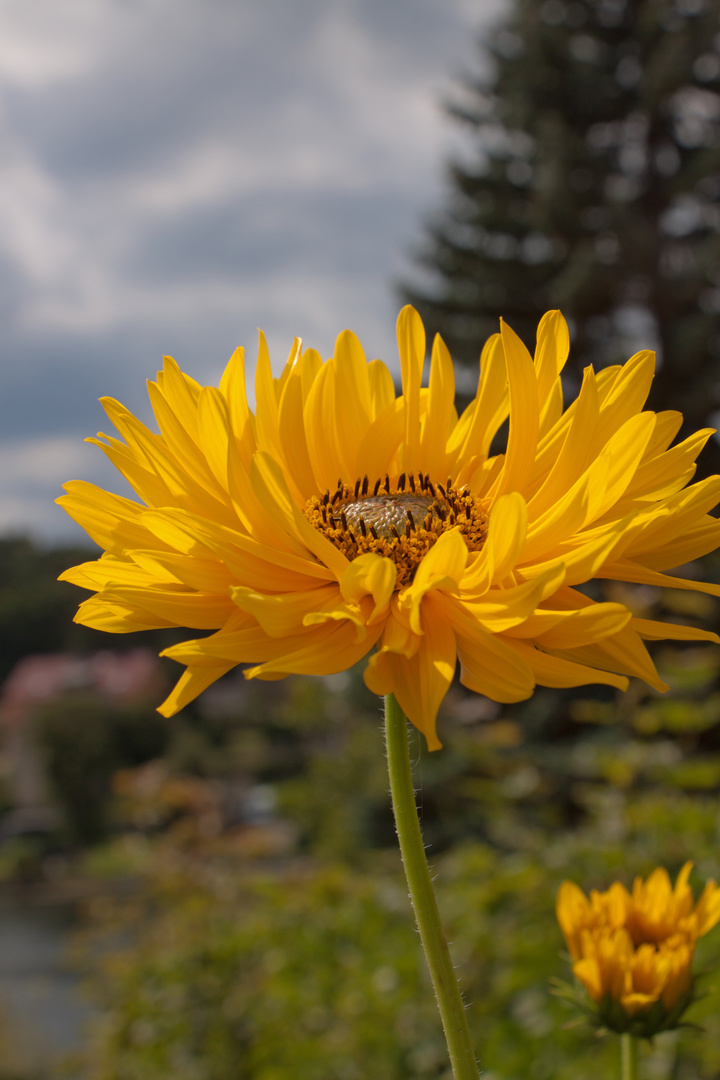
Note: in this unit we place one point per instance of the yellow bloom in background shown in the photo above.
(633, 952)
(340, 520)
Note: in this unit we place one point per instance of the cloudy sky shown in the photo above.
(176, 173)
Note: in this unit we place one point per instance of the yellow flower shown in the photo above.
(633, 952)
(339, 520)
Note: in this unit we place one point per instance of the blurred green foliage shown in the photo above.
(313, 971)
(84, 740)
(37, 610)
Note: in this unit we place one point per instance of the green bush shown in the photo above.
(314, 972)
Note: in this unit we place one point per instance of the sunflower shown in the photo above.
(340, 521)
(633, 952)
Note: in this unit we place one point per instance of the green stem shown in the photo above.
(628, 1057)
(422, 894)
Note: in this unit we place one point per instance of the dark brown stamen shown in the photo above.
(401, 482)
(343, 519)
(363, 527)
(377, 486)
(326, 498)
(412, 481)
(373, 532)
(357, 488)
(394, 532)
(411, 519)
(365, 485)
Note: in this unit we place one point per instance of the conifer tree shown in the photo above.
(592, 185)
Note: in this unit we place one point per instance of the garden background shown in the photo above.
(227, 882)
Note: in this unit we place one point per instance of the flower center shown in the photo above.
(400, 521)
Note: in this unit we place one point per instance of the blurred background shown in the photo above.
(218, 895)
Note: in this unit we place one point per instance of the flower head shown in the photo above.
(633, 952)
(340, 520)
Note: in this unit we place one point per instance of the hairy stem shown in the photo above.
(628, 1057)
(422, 894)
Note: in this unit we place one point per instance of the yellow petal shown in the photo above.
(215, 432)
(626, 570)
(181, 392)
(592, 623)
(575, 453)
(587, 971)
(479, 423)
(246, 558)
(442, 568)
(524, 414)
(110, 520)
(622, 653)
(352, 401)
(692, 544)
(501, 609)
(266, 398)
(175, 606)
(708, 908)
(652, 630)
(370, 575)
(320, 429)
(205, 575)
(282, 614)
(440, 411)
(573, 913)
(325, 650)
(627, 393)
(142, 480)
(291, 428)
(190, 685)
(411, 346)
(562, 673)
(637, 1002)
(420, 682)
(232, 387)
(507, 529)
(493, 667)
(551, 353)
(382, 388)
(176, 436)
(115, 616)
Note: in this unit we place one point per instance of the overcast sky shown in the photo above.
(176, 173)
